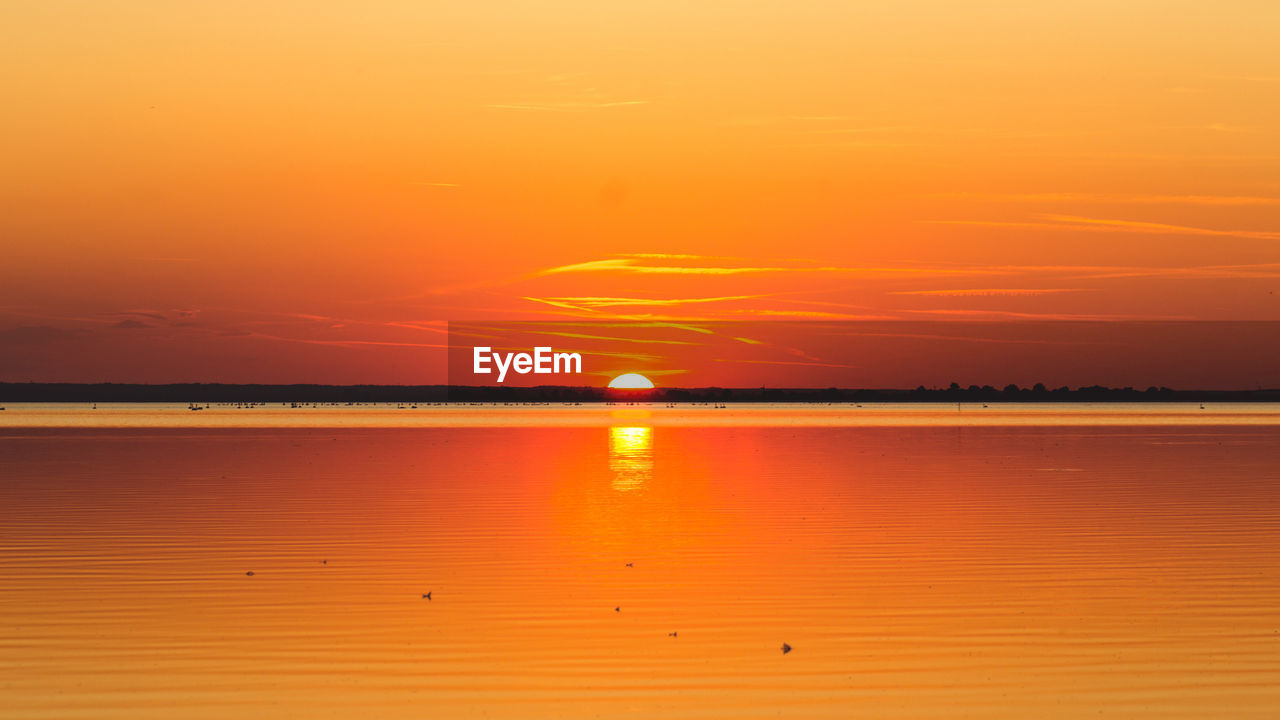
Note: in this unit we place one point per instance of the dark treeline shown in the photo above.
(223, 393)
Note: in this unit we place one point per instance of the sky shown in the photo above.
(311, 191)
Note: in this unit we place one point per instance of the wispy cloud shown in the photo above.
(991, 292)
(565, 107)
(564, 304)
(825, 303)
(1200, 272)
(961, 338)
(648, 372)
(858, 130)
(631, 265)
(1137, 226)
(1117, 198)
(1044, 316)
(508, 330)
(131, 324)
(1194, 272)
(784, 362)
(1224, 127)
(1109, 225)
(439, 327)
(810, 314)
(343, 343)
(1242, 78)
(172, 317)
(678, 256)
(640, 265)
(145, 314)
(434, 326)
(599, 302)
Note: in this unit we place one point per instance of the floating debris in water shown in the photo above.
(631, 564)
(618, 609)
(250, 573)
(673, 634)
(785, 648)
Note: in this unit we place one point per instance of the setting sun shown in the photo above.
(631, 381)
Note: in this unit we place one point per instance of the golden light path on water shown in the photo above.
(630, 456)
(640, 562)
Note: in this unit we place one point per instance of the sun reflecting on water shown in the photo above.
(998, 572)
(630, 456)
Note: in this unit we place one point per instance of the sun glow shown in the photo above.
(631, 381)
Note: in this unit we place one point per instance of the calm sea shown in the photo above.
(932, 561)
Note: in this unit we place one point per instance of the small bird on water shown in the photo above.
(618, 609)
(250, 573)
(631, 564)
(785, 648)
(427, 596)
(673, 634)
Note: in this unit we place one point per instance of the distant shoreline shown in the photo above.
(302, 393)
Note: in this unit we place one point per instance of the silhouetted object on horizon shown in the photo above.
(785, 648)
(251, 396)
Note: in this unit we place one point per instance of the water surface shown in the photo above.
(63, 415)
(1108, 563)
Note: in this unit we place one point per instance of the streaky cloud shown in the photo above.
(631, 264)
(991, 292)
(344, 343)
(565, 107)
(1160, 228)
(783, 362)
(1201, 272)
(961, 338)
(1119, 198)
(1044, 316)
(812, 314)
(586, 336)
(1086, 224)
(597, 302)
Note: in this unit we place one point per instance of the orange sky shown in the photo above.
(304, 192)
